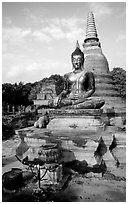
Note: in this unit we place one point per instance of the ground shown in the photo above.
(87, 187)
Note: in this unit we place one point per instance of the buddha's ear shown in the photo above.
(82, 67)
(83, 61)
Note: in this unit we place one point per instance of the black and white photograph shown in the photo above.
(63, 101)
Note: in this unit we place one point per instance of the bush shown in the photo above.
(119, 79)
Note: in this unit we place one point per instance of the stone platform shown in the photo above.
(80, 119)
(91, 120)
(78, 145)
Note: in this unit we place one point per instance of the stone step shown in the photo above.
(103, 77)
(103, 93)
(107, 86)
(75, 113)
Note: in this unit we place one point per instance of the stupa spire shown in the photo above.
(91, 32)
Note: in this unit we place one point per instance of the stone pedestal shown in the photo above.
(79, 120)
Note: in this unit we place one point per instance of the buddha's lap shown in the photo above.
(87, 103)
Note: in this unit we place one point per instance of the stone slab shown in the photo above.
(88, 124)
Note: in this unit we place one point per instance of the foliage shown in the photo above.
(36, 88)
(20, 94)
(34, 91)
(16, 94)
(59, 82)
(119, 79)
(11, 123)
(8, 93)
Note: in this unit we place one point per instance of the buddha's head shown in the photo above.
(77, 58)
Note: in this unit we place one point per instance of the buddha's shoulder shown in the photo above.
(83, 72)
(87, 73)
(67, 75)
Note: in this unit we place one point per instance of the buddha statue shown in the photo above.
(79, 86)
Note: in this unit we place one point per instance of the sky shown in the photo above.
(39, 37)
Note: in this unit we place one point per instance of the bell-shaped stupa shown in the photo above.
(97, 63)
(94, 59)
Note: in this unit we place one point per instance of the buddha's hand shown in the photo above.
(57, 101)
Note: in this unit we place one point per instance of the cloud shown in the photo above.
(14, 36)
(21, 55)
(40, 36)
(52, 29)
(7, 21)
(49, 67)
(17, 67)
(33, 67)
(68, 28)
(55, 28)
(35, 16)
(55, 31)
(72, 22)
(17, 33)
(100, 10)
(74, 29)
(44, 66)
(14, 71)
(12, 65)
(121, 37)
(75, 34)
(120, 11)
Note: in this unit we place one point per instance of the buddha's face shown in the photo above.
(77, 61)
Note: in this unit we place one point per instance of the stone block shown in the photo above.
(71, 152)
(116, 121)
(89, 124)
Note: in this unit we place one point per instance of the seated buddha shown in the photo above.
(79, 86)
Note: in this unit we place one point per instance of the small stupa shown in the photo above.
(96, 62)
(47, 93)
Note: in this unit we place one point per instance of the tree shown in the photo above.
(119, 79)
(20, 94)
(8, 93)
(59, 85)
(16, 94)
(36, 87)
(34, 91)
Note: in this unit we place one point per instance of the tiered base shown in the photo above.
(76, 145)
